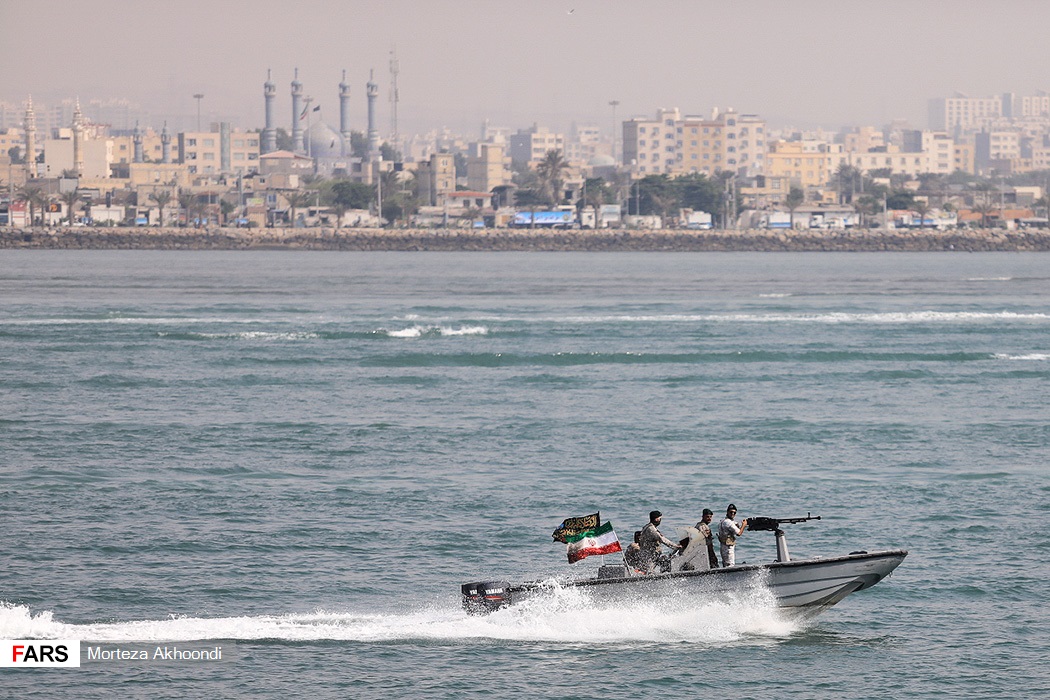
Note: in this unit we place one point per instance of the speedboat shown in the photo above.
(808, 586)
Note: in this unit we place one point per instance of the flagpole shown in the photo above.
(308, 100)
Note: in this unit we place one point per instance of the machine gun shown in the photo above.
(773, 525)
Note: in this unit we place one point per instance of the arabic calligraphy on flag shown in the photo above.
(600, 540)
(574, 526)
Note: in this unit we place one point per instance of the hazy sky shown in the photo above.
(799, 62)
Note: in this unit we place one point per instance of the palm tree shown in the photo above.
(296, 199)
(551, 172)
(338, 208)
(70, 199)
(984, 208)
(921, 208)
(594, 191)
(226, 208)
(161, 198)
(34, 196)
(794, 200)
(188, 204)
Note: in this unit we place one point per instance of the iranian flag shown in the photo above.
(600, 540)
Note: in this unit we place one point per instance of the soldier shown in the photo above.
(650, 542)
(704, 526)
(728, 531)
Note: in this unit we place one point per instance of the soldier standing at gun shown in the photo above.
(728, 531)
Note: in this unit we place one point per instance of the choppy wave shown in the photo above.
(575, 359)
(567, 615)
(1035, 356)
(896, 317)
(243, 335)
(423, 331)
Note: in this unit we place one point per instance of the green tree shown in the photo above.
(226, 207)
(595, 194)
(795, 198)
(358, 144)
(339, 210)
(296, 199)
(283, 139)
(866, 205)
(551, 172)
(352, 195)
(922, 208)
(33, 196)
(848, 177)
(190, 205)
(161, 198)
(900, 199)
(70, 199)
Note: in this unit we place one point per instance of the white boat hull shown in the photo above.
(809, 585)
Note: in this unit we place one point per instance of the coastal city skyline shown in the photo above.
(558, 63)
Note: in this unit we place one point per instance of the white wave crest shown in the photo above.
(567, 615)
(420, 331)
(246, 335)
(1035, 356)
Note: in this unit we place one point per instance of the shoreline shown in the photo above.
(496, 240)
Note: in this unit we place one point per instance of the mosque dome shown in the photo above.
(324, 141)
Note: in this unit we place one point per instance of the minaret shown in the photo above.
(30, 157)
(344, 114)
(137, 141)
(373, 132)
(395, 97)
(269, 139)
(165, 144)
(78, 140)
(297, 105)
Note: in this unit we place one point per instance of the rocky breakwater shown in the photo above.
(868, 240)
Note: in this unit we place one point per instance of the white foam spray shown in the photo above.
(565, 615)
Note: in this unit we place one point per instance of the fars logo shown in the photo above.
(26, 653)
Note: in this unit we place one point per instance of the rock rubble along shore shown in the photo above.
(870, 240)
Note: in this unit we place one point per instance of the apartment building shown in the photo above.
(487, 167)
(650, 145)
(531, 145)
(805, 163)
(961, 112)
(217, 152)
(670, 143)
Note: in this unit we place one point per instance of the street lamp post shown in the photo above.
(198, 96)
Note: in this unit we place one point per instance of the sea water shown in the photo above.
(299, 457)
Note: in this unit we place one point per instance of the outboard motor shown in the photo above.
(483, 597)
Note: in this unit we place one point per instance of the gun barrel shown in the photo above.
(799, 520)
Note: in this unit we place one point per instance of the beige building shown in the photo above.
(862, 139)
(531, 145)
(487, 167)
(963, 157)
(205, 152)
(437, 178)
(962, 112)
(97, 156)
(805, 163)
(156, 174)
(650, 145)
(670, 143)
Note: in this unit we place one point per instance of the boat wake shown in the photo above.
(563, 616)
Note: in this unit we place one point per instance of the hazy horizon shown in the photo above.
(808, 63)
